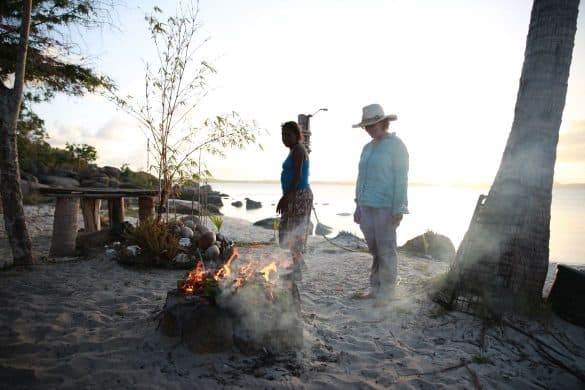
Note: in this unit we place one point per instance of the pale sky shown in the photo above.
(449, 70)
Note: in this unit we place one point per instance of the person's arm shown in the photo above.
(298, 156)
(400, 166)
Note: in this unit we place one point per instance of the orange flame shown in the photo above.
(266, 270)
(195, 281)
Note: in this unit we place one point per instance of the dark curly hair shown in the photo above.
(294, 128)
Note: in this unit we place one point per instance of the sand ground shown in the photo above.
(89, 323)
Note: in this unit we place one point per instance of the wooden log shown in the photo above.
(91, 214)
(65, 223)
(145, 208)
(116, 211)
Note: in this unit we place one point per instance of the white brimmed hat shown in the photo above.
(373, 114)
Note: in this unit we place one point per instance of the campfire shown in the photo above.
(198, 281)
(245, 302)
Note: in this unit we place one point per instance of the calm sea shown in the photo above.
(445, 210)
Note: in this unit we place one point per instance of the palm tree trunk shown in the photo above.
(503, 259)
(10, 102)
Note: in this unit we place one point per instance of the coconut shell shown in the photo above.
(206, 240)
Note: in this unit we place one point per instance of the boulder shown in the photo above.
(267, 223)
(237, 203)
(58, 181)
(112, 172)
(252, 204)
(431, 244)
(322, 230)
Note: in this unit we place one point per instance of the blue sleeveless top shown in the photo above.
(288, 174)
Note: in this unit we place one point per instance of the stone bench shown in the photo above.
(69, 200)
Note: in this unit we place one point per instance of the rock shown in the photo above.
(201, 228)
(190, 224)
(89, 172)
(237, 203)
(57, 181)
(111, 254)
(431, 244)
(183, 259)
(213, 209)
(184, 206)
(206, 240)
(92, 183)
(133, 250)
(66, 173)
(322, 230)
(252, 204)
(186, 242)
(191, 221)
(267, 223)
(186, 232)
(212, 252)
(112, 172)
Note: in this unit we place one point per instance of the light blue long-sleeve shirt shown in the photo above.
(383, 175)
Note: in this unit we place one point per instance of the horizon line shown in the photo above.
(352, 182)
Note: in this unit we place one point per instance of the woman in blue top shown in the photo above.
(297, 200)
(381, 196)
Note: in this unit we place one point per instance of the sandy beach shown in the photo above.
(89, 323)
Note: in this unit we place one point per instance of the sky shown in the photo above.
(448, 69)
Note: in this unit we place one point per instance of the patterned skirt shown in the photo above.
(294, 222)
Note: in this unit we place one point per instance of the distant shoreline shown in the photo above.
(484, 186)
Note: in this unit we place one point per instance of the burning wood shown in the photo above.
(242, 302)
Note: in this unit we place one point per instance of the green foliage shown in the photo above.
(139, 179)
(50, 66)
(157, 241)
(217, 221)
(54, 65)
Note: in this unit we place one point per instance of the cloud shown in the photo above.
(117, 140)
(571, 147)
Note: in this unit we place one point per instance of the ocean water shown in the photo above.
(445, 210)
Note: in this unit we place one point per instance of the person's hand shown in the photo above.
(357, 215)
(282, 205)
(396, 219)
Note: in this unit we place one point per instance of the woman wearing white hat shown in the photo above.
(381, 196)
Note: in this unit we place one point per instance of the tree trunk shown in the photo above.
(502, 261)
(10, 102)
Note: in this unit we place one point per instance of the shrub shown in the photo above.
(156, 239)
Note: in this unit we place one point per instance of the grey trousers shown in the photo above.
(380, 234)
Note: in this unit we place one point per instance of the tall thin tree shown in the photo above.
(503, 259)
(10, 103)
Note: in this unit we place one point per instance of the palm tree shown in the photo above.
(502, 261)
(10, 102)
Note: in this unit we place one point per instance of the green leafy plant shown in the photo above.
(275, 226)
(156, 240)
(217, 221)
